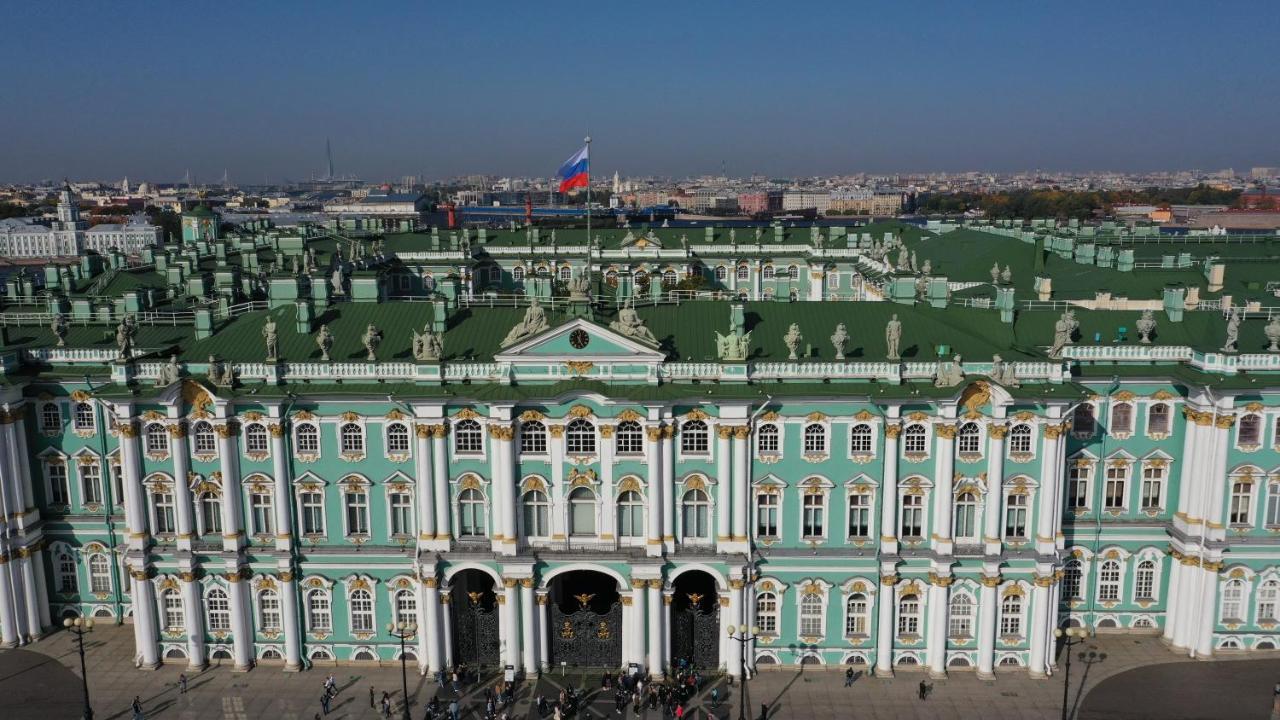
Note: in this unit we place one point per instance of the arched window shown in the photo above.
(693, 438)
(210, 514)
(361, 602)
(582, 512)
(767, 439)
(814, 514)
(960, 616)
(1268, 602)
(767, 272)
(471, 515)
(1158, 419)
(1241, 500)
(352, 439)
(669, 278)
(695, 512)
(580, 437)
(1109, 581)
(1073, 580)
(1011, 616)
(1082, 421)
(99, 574)
(965, 525)
(517, 274)
(1020, 440)
(744, 272)
(1233, 602)
(855, 615)
(767, 613)
(811, 618)
(722, 273)
(1121, 418)
(319, 612)
(794, 272)
(909, 615)
(912, 517)
(641, 279)
(50, 418)
(913, 440)
(357, 502)
(630, 515)
(255, 438)
(815, 439)
(83, 417)
(629, 438)
(65, 569)
(268, 611)
(467, 438)
(171, 610)
(406, 604)
(533, 438)
(306, 439)
(566, 273)
(1144, 581)
(218, 610)
(398, 438)
(969, 439)
(860, 442)
(157, 438)
(1250, 430)
(536, 514)
(203, 438)
(1015, 516)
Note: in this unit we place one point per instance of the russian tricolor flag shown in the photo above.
(576, 171)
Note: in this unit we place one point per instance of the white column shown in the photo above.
(544, 624)
(654, 632)
(638, 617)
(42, 588)
(937, 631)
(193, 617)
(559, 504)
(733, 662)
(1046, 521)
(528, 627)
(8, 613)
(241, 628)
(724, 480)
(26, 562)
(741, 482)
(1185, 626)
(283, 501)
(446, 626)
(145, 622)
(1207, 586)
(135, 508)
(653, 462)
(429, 639)
(292, 632)
(1038, 625)
(440, 483)
(943, 497)
(1173, 599)
(667, 598)
(991, 536)
(425, 500)
(511, 616)
(988, 603)
(889, 501)
(608, 496)
(181, 481)
(884, 625)
(511, 488)
(498, 491)
(232, 523)
(668, 488)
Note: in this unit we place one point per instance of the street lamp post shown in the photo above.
(403, 631)
(80, 627)
(1070, 637)
(741, 634)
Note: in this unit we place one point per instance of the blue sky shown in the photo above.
(672, 88)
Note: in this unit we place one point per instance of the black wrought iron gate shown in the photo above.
(475, 633)
(586, 638)
(695, 636)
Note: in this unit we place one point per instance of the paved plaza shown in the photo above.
(1139, 679)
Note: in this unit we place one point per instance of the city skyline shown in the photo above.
(510, 90)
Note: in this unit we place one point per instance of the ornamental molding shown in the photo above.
(697, 414)
(581, 478)
(579, 367)
(581, 411)
(816, 416)
(396, 414)
(466, 414)
(630, 415)
(864, 415)
(531, 416)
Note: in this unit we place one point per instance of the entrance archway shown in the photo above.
(695, 620)
(473, 609)
(585, 620)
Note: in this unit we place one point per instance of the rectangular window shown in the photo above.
(912, 517)
(357, 513)
(91, 483)
(1077, 488)
(401, 514)
(1152, 487)
(1114, 498)
(59, 491)
(165, 523)
(261, 511)
(814, 515)
(1015, 517)
(1273, 506)
(767, 515)
(1241, 495)
(312, 513)
(860, 516)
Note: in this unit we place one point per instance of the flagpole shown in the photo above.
(587, 140)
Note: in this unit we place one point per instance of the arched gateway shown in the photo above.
(585, 620)
(473, 609)
(695, 620)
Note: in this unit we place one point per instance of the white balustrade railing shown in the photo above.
(1130, 353)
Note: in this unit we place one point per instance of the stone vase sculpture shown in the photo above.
(840, 340)
(1146, 325)
(792, 340)
(1273, 334)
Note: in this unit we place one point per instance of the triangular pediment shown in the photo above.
(580, 339)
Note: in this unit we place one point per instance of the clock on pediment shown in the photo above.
(579, 338)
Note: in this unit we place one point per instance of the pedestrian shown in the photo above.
(764, 711)
(453, 710)
(324, 701)
(924, 690)
(457, 686)
(136, 706)
(371, 697)
(848, 677)
(679, 712)
(182, 683)
(386, 705)
(715, 698)
(331, 684)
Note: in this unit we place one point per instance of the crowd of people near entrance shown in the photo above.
(631, 690)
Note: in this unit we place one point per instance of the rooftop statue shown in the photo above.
(1007, 276)
(732, 347)
(904, 262)
(427, 346)
(840, 340)
(125, 332)
(325, 340)
(1272, 331)
(948, 374)
(1003, 372)
(792, 340)
(1233, 332)
(59, 328)
(534, 322)
(372, 339)
(1072, 324)
(733, 236)
(1061, 336)
(579, 287)
(1146, 325)
(995, 273)
(336, 280)
(169, 373)
(914, 265)
(892, 337)
(927, 268)
(221, 373)
(630, 325)
(272, 339)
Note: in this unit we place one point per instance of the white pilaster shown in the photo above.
(425, 500)
(292, 624)
(653, 463)
(528, 627)
(446, 627)
(668, 488)
(193, 617)
(655, 629)
(241, 628)
(135, 508)
(26, 562)
(544, 624)
(440, 485)
(724, 484)
(511, 619)
(1038, 627)
(741, 485)
(146, 632)
(1207, 582)
(733, 663)
(888, 602)
(232, 517)
(1046, 521)
(937, 630)
(282, 503)
(8, 611)
(638, 618)
(943, 497)
(991, 536)
(889, 504)
(181, 481)
(988, 604)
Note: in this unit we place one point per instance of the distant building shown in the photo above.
(806, 199)
(751, 203)
(382, 204)
(70, 236)
(866, 202)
